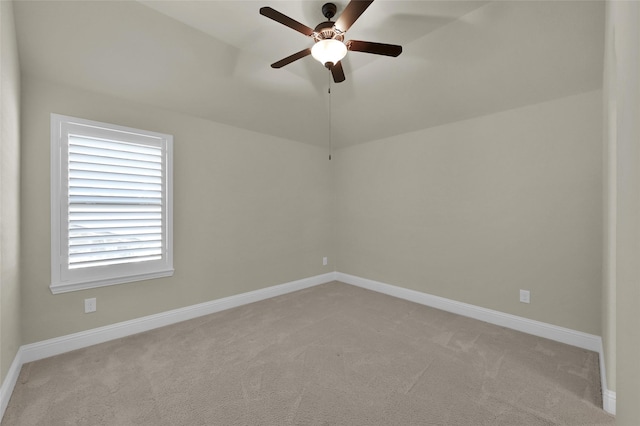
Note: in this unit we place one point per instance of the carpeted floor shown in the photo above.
(329, 355)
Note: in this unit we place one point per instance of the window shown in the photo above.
(111, 204)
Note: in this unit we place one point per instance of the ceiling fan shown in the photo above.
(329, 47)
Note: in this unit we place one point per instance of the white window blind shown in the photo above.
(114, 202)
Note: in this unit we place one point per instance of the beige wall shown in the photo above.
(476, 210)
(9, 191)
(250, 211)
(609, 206)
(623, 79)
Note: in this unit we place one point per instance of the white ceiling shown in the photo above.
(211, 59)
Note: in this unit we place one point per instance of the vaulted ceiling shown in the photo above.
(211, 59)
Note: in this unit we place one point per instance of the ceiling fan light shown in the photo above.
(329, 51)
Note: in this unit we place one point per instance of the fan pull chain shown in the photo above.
(330, 120)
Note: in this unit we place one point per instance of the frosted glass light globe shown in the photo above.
(329, 50)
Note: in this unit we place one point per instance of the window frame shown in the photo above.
(64, 279)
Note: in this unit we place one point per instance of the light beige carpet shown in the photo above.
(329, 355)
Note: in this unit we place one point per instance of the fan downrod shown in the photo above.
(329, 10)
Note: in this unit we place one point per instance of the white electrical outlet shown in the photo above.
(324, 261)
(90, 305)
(525, 296)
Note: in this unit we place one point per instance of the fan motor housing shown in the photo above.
(325, 31)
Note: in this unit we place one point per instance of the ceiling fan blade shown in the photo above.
(351, 13)
(337, 72)
(375, 48)
(299, 55)
(285, 20)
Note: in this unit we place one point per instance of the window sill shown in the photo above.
(67, 287)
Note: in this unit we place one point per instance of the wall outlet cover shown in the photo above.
(90, 305)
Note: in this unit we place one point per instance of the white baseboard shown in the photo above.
(609, 401)
(537, 328)
(9, 383)
(83, 339)
(58, 345)
(525, 325)
(608, 396)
